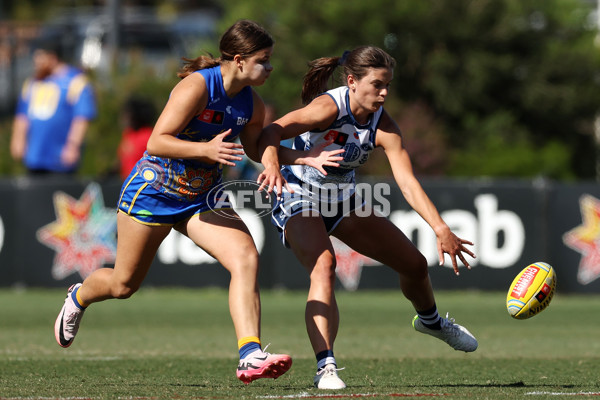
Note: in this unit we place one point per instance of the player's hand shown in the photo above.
(271, 179)
(454, 246)
(220, 151)
(318, 158)
(70, 154)
(17, 150)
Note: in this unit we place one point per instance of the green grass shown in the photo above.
(180, 344)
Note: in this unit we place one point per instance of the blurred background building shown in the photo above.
(515, 83)
(102, 37)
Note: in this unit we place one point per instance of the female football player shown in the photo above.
(352, 118)
(169, 187)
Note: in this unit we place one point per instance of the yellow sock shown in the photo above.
(81, 302)
(248, 339)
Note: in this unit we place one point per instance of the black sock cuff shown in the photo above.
(324, 354)
(429, 311)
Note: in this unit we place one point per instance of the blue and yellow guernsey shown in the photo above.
(187, 179)
(50, 106)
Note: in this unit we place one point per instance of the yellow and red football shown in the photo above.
(531, 290)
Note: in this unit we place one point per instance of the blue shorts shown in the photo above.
(296, 203)
(148, 206)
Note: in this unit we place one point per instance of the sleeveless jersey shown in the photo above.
(187, 179)
(358, 141)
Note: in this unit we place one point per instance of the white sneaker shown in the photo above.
(327, 378)
(457, 336)
(67, 323)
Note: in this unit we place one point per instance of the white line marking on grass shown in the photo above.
(74, 358)
(563, 394)
(306, 395)
(46, 398)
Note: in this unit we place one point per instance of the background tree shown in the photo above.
(499, 88)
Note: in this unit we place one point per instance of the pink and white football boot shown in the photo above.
(260, 364)
(67, 323)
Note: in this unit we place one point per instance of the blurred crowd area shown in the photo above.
(92, 36)
(514, 83)
(15, 63)
(128, 49)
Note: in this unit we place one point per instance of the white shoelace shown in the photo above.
(329, 371)
(450, 326)
(265, 349)
(256, 353)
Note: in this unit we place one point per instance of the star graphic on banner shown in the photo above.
(83, 235)
(349, 264)
(586, 240)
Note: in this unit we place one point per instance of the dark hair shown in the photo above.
(53, 45)
(356, 63)
(245, 37)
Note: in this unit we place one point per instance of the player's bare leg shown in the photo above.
(315, 252)
(378, 238)
(228, 240)
(136, 246)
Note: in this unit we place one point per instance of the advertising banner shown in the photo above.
(56, 231)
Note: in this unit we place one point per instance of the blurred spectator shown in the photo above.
(53, 113)
(139, 116)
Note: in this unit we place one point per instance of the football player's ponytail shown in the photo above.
(356, 63)
(194, 64)
(315, 80)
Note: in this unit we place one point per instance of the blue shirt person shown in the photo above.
(53, 113)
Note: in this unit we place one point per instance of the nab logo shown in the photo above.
(212, 117)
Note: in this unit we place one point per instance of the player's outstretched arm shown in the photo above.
(390, 139)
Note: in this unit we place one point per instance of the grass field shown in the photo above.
(179, 344)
